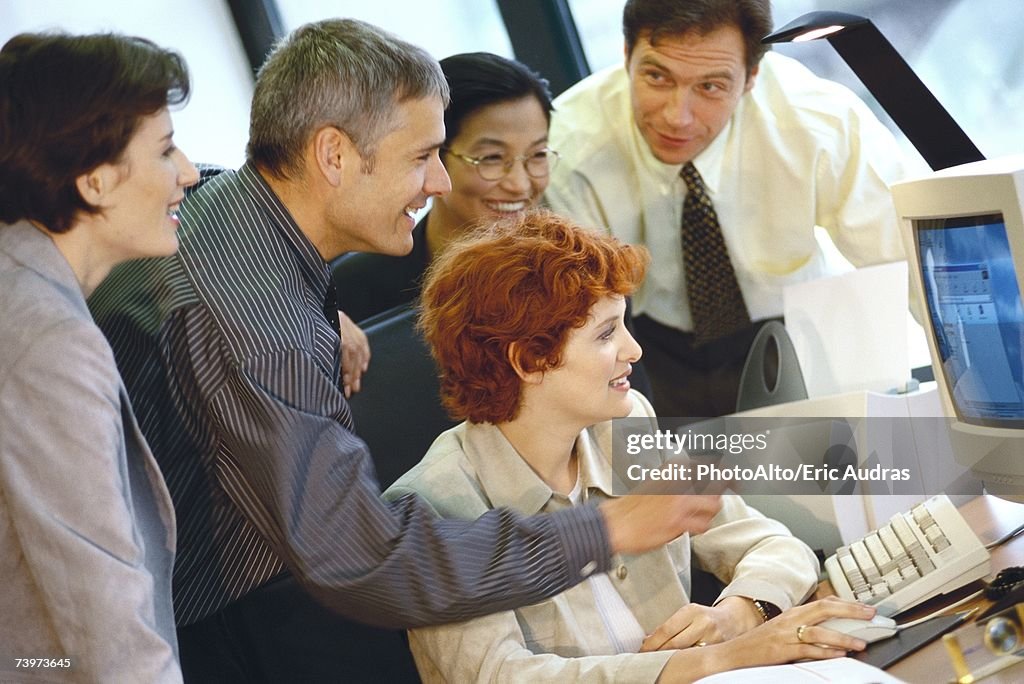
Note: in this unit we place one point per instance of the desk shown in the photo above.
(990, 518)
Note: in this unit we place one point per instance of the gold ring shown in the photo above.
(800, 633)
(701, 644)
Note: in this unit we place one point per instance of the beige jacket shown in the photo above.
(473, 468)
(87, 535)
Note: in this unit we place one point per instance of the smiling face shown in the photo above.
(373, 210)
(685, 88)
(146, 188)
(504, 129)
(592, 383)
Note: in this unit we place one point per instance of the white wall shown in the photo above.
(213, 126)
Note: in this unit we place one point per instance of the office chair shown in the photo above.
(398, 411)
(771, 374)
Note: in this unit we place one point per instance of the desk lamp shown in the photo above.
(892, 82)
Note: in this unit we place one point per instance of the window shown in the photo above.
(442, 27)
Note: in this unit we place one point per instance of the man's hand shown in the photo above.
(640, 522)
(355, 354)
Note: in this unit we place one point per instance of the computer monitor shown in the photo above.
(963, 230)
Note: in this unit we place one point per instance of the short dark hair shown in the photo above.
(662, 18)
(479, 79)
(69, 104)
(340, 72)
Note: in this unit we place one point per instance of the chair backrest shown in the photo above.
(398, 411)
(771, 374)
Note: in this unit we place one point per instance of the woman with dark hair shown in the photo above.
(89, 178)
(526, 322)
(497, 156)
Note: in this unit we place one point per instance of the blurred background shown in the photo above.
(967, 51)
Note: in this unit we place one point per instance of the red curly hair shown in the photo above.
(528, 280)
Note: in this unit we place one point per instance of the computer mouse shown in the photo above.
(878, 627)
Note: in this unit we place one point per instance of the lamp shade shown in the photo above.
(806, 25)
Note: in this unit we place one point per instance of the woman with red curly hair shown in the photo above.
(525, 321)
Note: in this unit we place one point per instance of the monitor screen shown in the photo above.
(974, 303)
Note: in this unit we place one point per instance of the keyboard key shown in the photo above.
(903, 531)
(891, 542)
(894, 580)
(879, 554)
(864, 561)
(921, 515)
(921, 560)
(934, 534)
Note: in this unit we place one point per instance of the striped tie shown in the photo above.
(716, 302)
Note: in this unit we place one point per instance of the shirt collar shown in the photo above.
(314, 268)
(510, 482)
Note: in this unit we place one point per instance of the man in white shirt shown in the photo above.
(779, 151)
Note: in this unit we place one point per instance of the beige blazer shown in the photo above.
(473, 468)
(86, 524)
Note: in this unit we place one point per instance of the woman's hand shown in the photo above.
(696, 624)
(774, 642)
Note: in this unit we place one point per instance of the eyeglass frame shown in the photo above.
(510, 163)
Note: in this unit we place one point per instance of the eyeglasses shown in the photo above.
(494, 167)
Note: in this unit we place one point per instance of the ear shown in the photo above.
(514, 355)
(95, 186)
(625, 54)
(333, 152)
(751, 78)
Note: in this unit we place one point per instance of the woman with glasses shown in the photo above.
(496, 153)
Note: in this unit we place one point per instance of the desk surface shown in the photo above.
(990, 518)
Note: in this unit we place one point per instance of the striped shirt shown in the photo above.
(234, 374)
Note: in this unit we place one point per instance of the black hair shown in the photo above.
(479, 79)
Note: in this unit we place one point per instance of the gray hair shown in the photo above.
(336, 72)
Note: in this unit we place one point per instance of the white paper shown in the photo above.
(844, 670)
(850, 330)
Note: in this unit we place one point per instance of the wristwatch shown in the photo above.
(766, 609)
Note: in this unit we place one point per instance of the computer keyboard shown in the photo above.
(927, 551)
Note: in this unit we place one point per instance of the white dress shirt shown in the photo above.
(798, 152)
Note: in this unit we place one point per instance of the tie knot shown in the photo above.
(694, 183)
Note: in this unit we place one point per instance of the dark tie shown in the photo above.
(716, 302)
(331, 314)
(331, 307)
